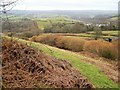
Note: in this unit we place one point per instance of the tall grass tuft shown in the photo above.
(99, 47)
(102, 48)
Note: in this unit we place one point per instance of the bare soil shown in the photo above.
(24, 67)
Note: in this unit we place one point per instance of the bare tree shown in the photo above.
(5, 7)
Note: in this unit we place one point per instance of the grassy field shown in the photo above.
(112, 33)
(43, 22)
(91, 35)
(108, 33)
(93, 74)
(80, 35)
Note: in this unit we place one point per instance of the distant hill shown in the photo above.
(87, 16)
(71, 13)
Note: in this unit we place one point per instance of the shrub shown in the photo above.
(70, 43)
(61, 41)
(98, 32)
(106, 50)
(46, 39)
(102, 48)
(91, 46)
(33, 38)
(116, 44)
(75, 44)
(28, 34)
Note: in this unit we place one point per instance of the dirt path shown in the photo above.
(110, 68)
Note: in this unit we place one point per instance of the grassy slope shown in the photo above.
(80, 35)
(42, 22)
(94, 75)
(115, 33)
(111, 32)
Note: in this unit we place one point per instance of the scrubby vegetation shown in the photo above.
(19, 25)
(100, 80)
(70, 43)
(100, 47)
(75, 27)
(22, 28)
(25, 67)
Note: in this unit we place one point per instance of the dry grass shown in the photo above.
(70, 43)
(46, 39)
(102, 48)
(74, 44)
(116, 44)
(99, 47)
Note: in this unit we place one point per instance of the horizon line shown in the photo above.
(67, 10)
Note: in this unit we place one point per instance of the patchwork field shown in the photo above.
(43, 22)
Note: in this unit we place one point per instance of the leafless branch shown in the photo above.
(5, 5)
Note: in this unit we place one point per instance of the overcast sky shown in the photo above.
(67, 5)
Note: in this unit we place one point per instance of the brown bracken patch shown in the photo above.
(24, 67)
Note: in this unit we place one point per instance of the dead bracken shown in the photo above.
(25, 67)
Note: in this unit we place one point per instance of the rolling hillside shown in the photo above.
(25, 67)
(93, 74)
